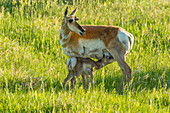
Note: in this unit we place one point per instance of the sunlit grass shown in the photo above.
(33, 66)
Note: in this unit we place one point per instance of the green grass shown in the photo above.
(33, 66)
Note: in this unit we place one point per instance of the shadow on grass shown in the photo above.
(49, 108)
(141, 81)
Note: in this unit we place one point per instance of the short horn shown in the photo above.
(66, 12)
(73, 13)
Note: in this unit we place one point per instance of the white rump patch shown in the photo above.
(132, 38)
(123, 37)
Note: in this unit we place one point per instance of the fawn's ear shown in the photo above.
(74, 12)
(66, 12)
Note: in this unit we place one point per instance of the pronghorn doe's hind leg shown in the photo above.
(126, 70)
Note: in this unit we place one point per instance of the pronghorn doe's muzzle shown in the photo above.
(82, 31)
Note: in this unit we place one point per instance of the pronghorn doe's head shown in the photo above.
(71, 22)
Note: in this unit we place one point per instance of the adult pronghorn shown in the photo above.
(89, 42)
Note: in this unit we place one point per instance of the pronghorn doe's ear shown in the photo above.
(66, 12)
(73, 13)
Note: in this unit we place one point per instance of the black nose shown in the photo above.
(81, 34)
(83, 30)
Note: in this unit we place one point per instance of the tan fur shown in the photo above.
(83, 66)
(80, 66)
(78, 43)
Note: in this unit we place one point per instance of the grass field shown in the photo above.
(33, 66)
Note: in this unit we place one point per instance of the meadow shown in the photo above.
(33, 65)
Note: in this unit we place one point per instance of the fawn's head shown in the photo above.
(71, 22)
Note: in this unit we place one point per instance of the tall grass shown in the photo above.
(33, 66)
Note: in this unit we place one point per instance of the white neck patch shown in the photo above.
(64, 37)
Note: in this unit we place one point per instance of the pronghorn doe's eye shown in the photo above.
(70, 20)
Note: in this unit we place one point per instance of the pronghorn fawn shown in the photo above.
(89, 41)
(80, 66)
(83, 66)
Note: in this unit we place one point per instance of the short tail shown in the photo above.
(126, 39)
(131, 40)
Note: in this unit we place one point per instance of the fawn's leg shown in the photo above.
(87, 77)
(92, 81)
(70, 74)
(73, 82)
(84, 82)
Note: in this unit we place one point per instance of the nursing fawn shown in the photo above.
(85, 66)
(89, 41)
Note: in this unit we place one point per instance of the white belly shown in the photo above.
(88, 48)
(91, 48)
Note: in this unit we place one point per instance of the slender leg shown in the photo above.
(129, 76)
(123, 80)
(70, 74)
(92, 81)
(73, 82)
(84, 82)
(87, 76)
(126, 70)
